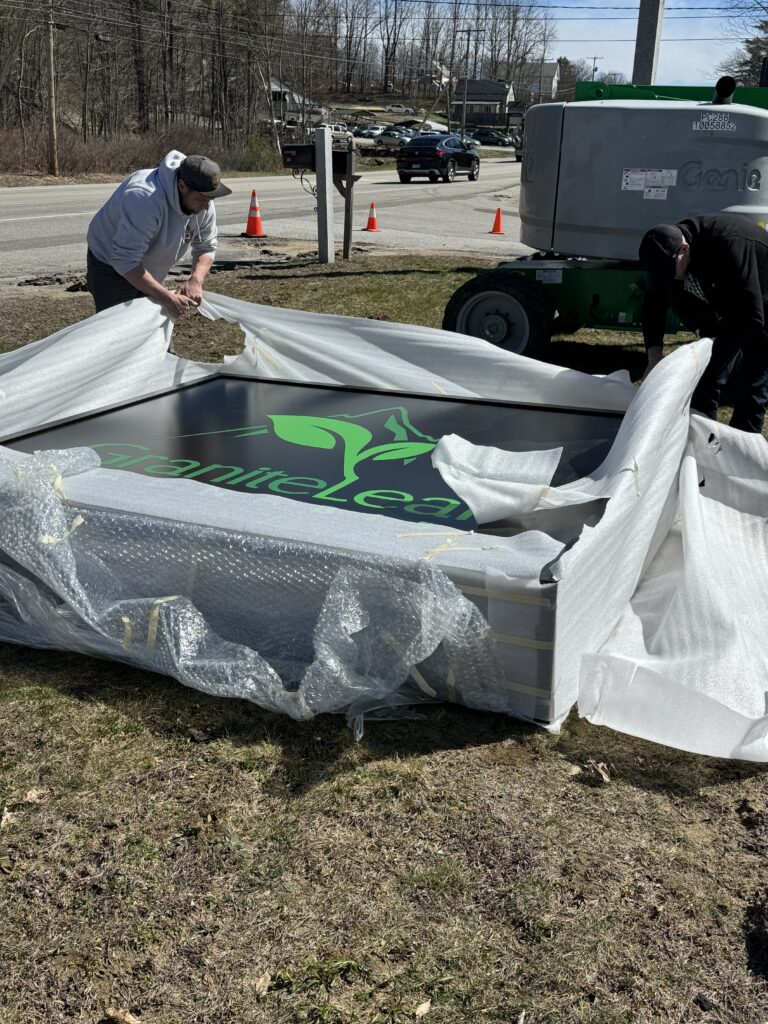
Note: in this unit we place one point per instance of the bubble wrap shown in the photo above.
(292, 627)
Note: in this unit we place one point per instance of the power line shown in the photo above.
(231, 37)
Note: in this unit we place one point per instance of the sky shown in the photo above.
(709, 30)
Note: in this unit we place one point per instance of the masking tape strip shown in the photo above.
(154, 615)
(500, 595)
(450, 683)
(529, 691)
(260, 351)
(440, 390)
(634, 469)
(418, 678)
(422, 683)
(127, 633)
(523, 641)
(58, 490)
(48, 539)
(300, 699)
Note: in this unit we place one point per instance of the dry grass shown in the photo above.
(186, 859)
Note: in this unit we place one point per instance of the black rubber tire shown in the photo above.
(523, 307)
(434, 177)
(519, 159)
(404, 178)
(474, 173)
(450, 172)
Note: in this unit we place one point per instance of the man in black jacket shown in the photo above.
(712, 272)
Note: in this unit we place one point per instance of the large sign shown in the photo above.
(366, 451)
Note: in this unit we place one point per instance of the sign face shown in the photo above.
(342, 448)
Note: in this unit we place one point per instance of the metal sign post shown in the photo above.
(335, 167)
(324, 172)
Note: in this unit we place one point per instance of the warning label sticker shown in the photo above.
(655, 193)
(549, 276)
(639, 179)
(714, 121)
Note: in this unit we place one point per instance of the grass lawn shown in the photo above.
(170, 858)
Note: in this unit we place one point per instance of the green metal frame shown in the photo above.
(606, 294)
(694, 93)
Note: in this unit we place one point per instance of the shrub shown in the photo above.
(122, 154)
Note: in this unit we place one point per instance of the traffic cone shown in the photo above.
(254, 228)
(497, 229)
(372, 224)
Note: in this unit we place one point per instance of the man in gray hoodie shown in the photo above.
(147, 225)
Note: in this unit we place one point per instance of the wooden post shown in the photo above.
(53, 151)
(348, 199)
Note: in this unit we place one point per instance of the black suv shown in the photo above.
(441, 156)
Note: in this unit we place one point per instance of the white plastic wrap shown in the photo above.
(659, 605)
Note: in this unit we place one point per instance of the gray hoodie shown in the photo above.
(142, 223)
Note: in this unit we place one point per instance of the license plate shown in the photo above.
(415, 167)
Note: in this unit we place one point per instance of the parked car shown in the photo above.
(397, 108)
(444, 157)
(371, 131)
(368, 131)
(392, 138)
(338, 130)
(490, 137)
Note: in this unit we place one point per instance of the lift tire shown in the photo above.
(505, 308)
(404, 178)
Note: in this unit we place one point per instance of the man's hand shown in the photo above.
(193, 286)
(654, 358)
(177, 304)
(193, 289)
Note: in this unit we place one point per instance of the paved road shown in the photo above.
(42, 229)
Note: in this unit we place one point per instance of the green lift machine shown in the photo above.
(596, 174)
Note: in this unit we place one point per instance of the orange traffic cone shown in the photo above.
(254, 228)
(372, 225)
(497, 229)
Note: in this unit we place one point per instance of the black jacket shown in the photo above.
(729, 258)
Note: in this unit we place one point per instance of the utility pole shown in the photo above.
(649, 21)
(469, 33)
(594, 65)
(53, 152)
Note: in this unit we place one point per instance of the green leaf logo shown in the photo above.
(405, 450)
(320, 432)
(323, 432)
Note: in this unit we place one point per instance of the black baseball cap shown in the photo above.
(658, 251)
(204, 176)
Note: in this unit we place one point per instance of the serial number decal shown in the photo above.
(714, 121)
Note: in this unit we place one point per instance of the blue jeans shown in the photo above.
(107, 287)
(750, 382)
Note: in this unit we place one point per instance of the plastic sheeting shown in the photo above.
(659, 603)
